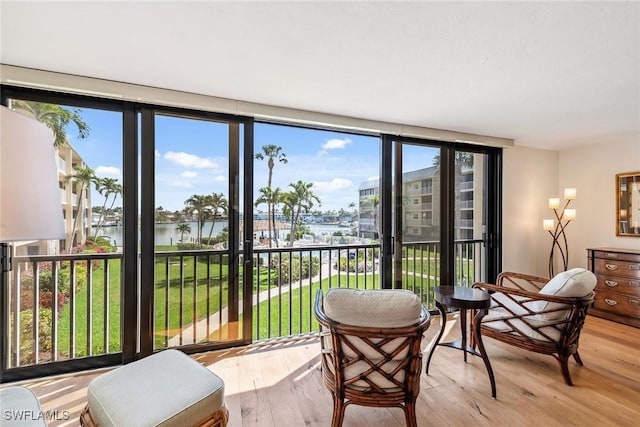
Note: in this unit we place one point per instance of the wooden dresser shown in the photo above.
(618, 287)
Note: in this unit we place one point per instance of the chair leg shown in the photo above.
(338, 412)
(577, 358)
(564, 365)
(410, 414)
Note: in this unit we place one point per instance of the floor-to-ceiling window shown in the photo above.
(62, 298)
(315, 215)
(196, 230)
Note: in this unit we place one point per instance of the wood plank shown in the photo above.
(281, 384)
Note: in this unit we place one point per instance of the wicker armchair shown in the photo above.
(371, 352)
(540, 315)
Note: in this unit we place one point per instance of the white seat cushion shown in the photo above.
(501, 320)
(165, 389)
(378, 308)
(20, 407)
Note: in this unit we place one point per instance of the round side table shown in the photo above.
(464, 299)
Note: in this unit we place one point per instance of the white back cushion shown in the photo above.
(577, 282)
(380, 308)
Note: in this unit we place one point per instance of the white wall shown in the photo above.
(592, 169)
(531, 176)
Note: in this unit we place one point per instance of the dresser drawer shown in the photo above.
(618, 284)
(622, 305)
(617, 268)
(620, 256)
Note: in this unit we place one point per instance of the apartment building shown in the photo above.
(421, 204)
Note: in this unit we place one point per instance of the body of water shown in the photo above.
(167, 234)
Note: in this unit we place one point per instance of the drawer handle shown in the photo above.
(611, 267)
(610, 301)
(634, 283)
(611, 255)
(634, 266)
(634, 302)
(611, 283)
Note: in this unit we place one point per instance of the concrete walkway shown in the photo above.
(223, 316)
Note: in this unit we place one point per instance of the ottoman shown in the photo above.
(21, 408)
(165, 389)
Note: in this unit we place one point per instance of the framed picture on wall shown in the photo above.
(628, 204)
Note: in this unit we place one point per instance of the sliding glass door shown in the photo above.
(442, 225)
(196, 295)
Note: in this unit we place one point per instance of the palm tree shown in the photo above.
(271, 198)
(183, 228)
(271, 152)
(106, 187)
(354, 214)
(374, 201)
(84, 176)
(217, 204)
(55, 117)
(197, 204)
(299, 200)
(116, 190)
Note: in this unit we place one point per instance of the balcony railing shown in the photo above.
(63, 307)
(68, 306)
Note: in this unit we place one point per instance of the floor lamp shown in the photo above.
(556, 226)
(30, 202)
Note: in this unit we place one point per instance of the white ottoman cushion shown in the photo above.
(20, 407)
(165, 389)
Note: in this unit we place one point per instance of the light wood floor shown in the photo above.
(280, 385)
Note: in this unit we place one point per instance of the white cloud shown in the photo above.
(180, 183)
(189, 160)
(335, 184)
(157, 154)
(189, 174)
(219, 178)
(334, 144)
(103, 171)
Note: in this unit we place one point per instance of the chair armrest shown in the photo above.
(532, 296)
(526, 282)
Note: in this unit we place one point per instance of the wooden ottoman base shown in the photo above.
(217, 419)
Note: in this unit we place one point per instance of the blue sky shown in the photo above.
(192, 158)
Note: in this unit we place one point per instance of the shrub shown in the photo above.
(299, 269)
(27, 339)
(188, 246)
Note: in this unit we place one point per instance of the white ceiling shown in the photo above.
(549, 75)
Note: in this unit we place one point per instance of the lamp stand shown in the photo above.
(560, 240)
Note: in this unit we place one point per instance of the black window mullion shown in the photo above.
(247, 278)
(147, 249)
(385, 205)
(447, 216)
(494, 216)
(129, 294)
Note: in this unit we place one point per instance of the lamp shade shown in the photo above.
(30, 202)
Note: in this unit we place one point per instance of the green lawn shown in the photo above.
(294, 308)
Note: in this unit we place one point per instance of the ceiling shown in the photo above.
(550, 75)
